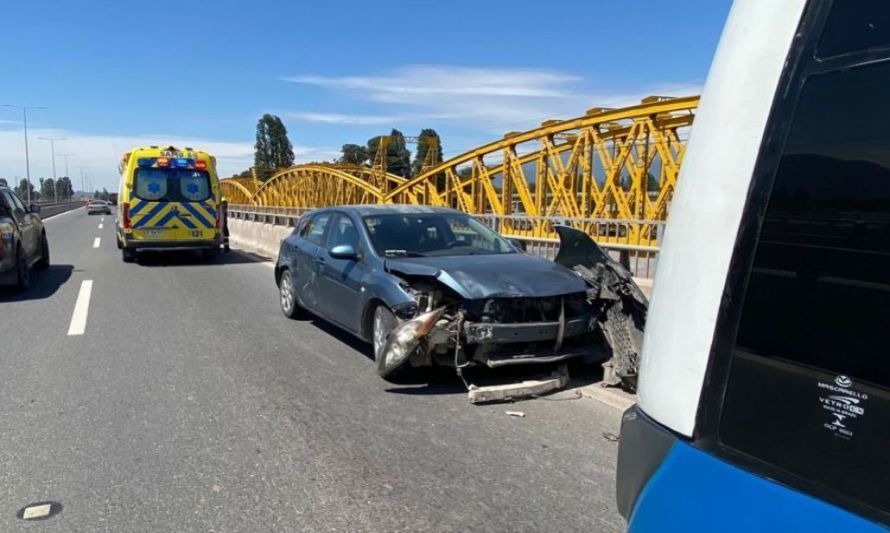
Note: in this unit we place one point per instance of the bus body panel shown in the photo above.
(681, 496)
(708, 205)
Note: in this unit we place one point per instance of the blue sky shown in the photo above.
(116, 73)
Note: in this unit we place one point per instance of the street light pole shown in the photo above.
(67, 175)
(25, 109)
(52, 149)
(83, 186)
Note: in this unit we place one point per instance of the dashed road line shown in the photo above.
(81, 309)
(96, 242)
(100, 226)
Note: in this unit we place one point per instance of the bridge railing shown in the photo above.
(633, 242)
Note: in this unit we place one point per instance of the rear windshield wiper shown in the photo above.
(402, 253)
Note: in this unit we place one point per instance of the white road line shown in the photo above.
(102, 219)
(81, 309)
(96, 242)
(100, 226)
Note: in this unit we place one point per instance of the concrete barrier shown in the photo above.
(48, 210)
(265, 239)
(257, 237)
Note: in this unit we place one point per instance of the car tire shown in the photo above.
(287, 296)
(382, 323)
(120, 245)
(128, 255)
(23, 272)
(43, 264)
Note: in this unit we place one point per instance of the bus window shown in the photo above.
(855, 25)
(809, 384)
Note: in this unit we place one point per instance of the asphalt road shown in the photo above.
(189, 403)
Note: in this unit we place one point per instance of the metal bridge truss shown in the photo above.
(608, 164)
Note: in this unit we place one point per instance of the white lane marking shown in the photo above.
(96, 242)
(81, 309)
(102, 219)
(100, 226)
(62, 214)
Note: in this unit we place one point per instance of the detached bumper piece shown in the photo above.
(533, 358)
(522, 389)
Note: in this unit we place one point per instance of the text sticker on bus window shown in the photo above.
(842, 405)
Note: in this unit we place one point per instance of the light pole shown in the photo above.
(67, 175)
(52, 150)
(83, 186)
(25, 109)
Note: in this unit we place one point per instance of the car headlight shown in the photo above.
(405, 337)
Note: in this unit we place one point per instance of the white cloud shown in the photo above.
(420, 82)
(101, 153)
(337, 118)
(490, 100)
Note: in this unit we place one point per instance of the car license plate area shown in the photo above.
(153, 233)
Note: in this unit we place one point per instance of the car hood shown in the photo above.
(497, 275)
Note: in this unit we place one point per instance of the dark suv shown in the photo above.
(23, 243)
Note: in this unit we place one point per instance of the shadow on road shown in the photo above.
(43, 285)
(343, 336)
(189, 258)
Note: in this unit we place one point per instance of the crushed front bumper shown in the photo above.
(501, 333)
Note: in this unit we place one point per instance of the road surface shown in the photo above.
(173, 396)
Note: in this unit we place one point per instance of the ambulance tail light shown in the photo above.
(200, 165)
(126, 213)
(163, 161)
(220, 213)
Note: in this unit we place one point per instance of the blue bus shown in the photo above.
(764, 390)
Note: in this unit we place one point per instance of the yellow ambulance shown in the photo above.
(169, 199)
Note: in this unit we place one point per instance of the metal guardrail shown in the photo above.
(632, 242)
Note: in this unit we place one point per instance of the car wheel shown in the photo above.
(23, 278)
(128, 255)
(210, 255)
(288, 296)
(43, 264)
(120, 245)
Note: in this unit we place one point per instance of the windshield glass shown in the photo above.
(171, 185)
(436, 234)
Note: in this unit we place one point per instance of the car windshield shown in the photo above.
(428, 234)
(171, 185)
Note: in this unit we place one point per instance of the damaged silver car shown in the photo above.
(435, 287)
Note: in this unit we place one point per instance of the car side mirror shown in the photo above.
(34, 208)
(343, 251)
(518, 244)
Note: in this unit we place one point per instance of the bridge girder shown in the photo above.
(608, 164)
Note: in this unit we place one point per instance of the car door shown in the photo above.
(307, 265)
(28, 228)
(340, 280)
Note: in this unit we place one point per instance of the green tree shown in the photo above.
(426, 141)
(22, 191)
(48, 188)
(354, 154)
(398, 158)
(64, 190)
(273, 149)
